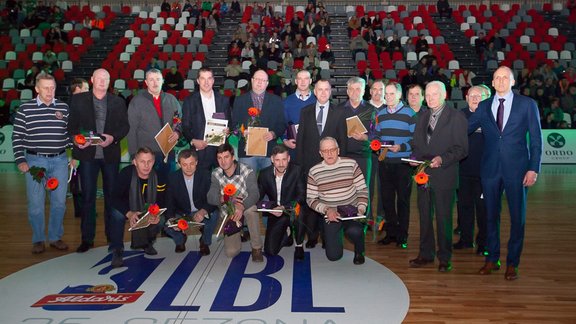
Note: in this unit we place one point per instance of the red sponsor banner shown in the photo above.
(88, 299)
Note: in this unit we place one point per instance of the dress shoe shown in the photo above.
(358, 258)
(511, 273)
(445, 266)
(299, 253)
(462, 245)
(84, 246)
(59, 245)
(311, 244)
(387, 240)
(38, 248)
(481, 251)
(489, 267)
(150, 250)
(181, 247)
(419, 262)
(257, 255)
(204, 249)
(117, 261)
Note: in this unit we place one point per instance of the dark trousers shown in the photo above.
(276, 233)
(310, 223)
(437, 203)
(471, 206)
(395, 190)
(89, 171)
(516, 196)
(140, 238)
(334, 246)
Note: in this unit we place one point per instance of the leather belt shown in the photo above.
(45, 154)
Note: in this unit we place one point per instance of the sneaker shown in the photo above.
(117, 260)
(59, 245)
(150, 250)
(38, 248)
(257, 255)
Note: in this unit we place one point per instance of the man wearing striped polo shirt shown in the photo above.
(40, 139)
(338, 181)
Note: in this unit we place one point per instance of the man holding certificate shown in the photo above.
(262, 125)
(148, 114)
(334, 185)
(137, 187)
(199, 110)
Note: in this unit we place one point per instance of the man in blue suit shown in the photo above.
(198, 107)
(511, 163)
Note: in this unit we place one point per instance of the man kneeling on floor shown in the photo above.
(137, 186)
(335, 182)
(187, 196)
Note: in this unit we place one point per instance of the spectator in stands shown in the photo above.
(165, 6)
(328, 55)
(211, 23)
(311, 49)
(358, 45)
(247, 52)
(233, 69)
(548, 121)
(321, 29)
(235, 7)
(433, 68)
(310, 25)
(287, 63)
(50, 61)
(274, 54)
(422, 44)
(414, 93)
(370, 36)
(388, 22)
(481, 43)
(195, 12)
(443, 8)
(187, 6)
(422, 77)
(394, 45)
(465, 80)
(87, 23)
(299, 51)
(377, 22)
(353, 24)
(568, 101)
(311, 62)
(498, 41)
(234, 51)
(365, 22)
(30, 80)
(55, 35)
(491, 53)
(173, 80)
(153, 64)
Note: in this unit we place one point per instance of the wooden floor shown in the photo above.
(545, 292)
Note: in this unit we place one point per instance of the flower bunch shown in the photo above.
(80, 139)
(254, 114)
(39, 174)
(176, 120)
(375, 145)
(153, 209)
(420, 176)
(228, 194)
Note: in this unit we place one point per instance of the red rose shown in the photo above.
(154, 209)
(253, 112)
(52, 184)
(421, 178)
(375, 145)
(80, 139)
(182, 224)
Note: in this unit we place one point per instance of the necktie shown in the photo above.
(319, 119)
(431, 126)
(500, 114)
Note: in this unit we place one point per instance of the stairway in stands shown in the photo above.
(463, 51)
(92, 60)
(561, 22)
(217, 57)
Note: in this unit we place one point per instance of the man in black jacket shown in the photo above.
(103, 115)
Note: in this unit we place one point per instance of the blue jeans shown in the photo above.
(256, 163)
(56, 167)
(88, 171)
(207, 230)
(117, 224)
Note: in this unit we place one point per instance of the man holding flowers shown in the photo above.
(234, 188)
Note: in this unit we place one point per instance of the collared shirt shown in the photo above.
(507, 107)
(378, 107)
(324, 112)
(279, 187)
(209, 105)
(190, 188)
(302, 96)
(393, 110)
(257, 99)
(438, 112)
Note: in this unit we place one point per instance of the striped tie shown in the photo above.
(431, 126)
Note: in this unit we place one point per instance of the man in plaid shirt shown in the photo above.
(245, 198)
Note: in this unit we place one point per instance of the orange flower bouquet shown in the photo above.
(39, 175)
(254, 114)
(229, 226)
(420, 176)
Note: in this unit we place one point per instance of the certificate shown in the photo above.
(255, 143)
(215, 131)
(354, 125)
(162, 139)
(144, 221)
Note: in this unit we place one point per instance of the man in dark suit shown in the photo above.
(511, 163)
(271, 115)
(440, 138)
(198, 107)
(102, 113)
(187, 195)
(311, 129)
(284, 185)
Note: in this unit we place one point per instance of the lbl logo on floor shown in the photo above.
(188, 288)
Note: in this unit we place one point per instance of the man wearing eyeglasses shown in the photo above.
(271, 116)
(470, 199)
(338, 181)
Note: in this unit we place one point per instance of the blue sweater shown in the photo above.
(397, 127)
(293, 105)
